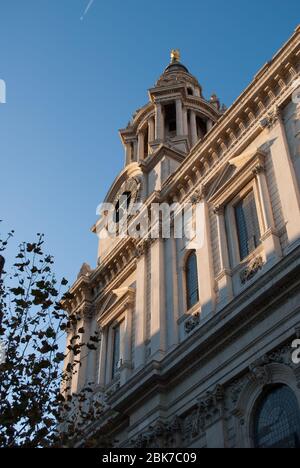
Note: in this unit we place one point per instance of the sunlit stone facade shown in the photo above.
(195, 350)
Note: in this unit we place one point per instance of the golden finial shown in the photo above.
(175, 55)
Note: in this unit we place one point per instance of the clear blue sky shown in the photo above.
(72, 84)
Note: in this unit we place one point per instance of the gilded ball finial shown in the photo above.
(175, 55)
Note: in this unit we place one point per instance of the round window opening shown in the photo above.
(277, 420)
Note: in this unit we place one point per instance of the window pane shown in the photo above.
(116, 351)
(247, 225)
(192, 281)
(277, 420)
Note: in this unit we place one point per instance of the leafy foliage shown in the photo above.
(34, 411)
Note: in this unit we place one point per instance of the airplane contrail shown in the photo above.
(87, 9)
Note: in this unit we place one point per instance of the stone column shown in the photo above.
(159, 130)
(185, 121)
(224, 278)
(103, 356)
(151, 129)
(285, 177)
(193, 127)
(140, 310)
(135, 150)
(141, 146)
(206, 275)
(270, 238)
(158, 307)
(179, 117)
(209, 125)
(128, 151)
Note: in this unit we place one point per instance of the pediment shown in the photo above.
(241, 160)
(222, 179)
(116, 298)
(162, 152)
(233, 169)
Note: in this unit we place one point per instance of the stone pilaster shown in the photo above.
(103, 357)
(224, 278)
(158, 308)
(205, 261)
(270, 238)
(140, 311)
(285, 176)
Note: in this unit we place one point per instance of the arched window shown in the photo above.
(277, 420)
(192, 288)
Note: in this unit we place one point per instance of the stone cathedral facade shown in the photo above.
(196, 345)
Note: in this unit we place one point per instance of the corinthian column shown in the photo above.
(159, 128)
(151, 129)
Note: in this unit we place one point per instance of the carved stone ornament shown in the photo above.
(192, 323)
(209, 404)
(259, 374)
(208, 408)
(219, 210)
(198, 196)
(85, 270)
(271, 119)
(252, 269)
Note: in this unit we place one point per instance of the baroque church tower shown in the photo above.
(196, 344)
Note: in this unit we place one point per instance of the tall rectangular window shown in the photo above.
(247, 225)
(116, 351)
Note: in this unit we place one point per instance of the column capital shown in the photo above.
(219, 210)
(198, 196)
(258, 169)
(272, 118)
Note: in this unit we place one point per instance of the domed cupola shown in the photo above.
(177, 116)
(177, 73)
